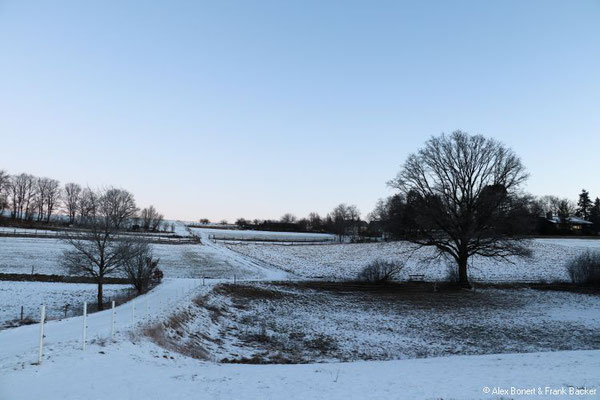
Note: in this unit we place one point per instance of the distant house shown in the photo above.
(569, 225)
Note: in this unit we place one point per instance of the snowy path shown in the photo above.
(19, 345)
(220, 251)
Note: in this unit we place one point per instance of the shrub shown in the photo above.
(585, 269)
(380, 271)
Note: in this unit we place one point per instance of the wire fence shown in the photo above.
(159, 238)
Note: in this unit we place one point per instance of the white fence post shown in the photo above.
(112, 321)
(42, 320)
(84, 325)
(133, 312)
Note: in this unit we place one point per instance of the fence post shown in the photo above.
(42, 320)
(112, 321)
(133, 312)
(84, 324)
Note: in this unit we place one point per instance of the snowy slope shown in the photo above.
(142, 370)
(344, 261)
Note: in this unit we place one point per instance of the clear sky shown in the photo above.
(225, 109)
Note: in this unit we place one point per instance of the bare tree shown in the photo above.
(314, 220)
(52, 197)
(41, 185)
(343, 217)
(4, 187)
(98, 251)
(288, 218)
(151, 219)
(45, 197)
(86, 204)
(71, 200)
(21, 191)
(462, 192)
(141, 267)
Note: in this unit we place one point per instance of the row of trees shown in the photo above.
(342, 220)
(585, 208)
(28, 196)
(32, 198)
(393, 215)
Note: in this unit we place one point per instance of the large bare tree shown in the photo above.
(462, 193)
(98, 251)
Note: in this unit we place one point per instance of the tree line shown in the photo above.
(343, 220)
(38, 199)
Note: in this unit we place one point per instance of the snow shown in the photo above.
(142, 370)
(233, 234)
(344, 261)
(133, 367)
(299, 322)
(55, 295)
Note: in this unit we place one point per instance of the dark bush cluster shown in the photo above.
(380, 271)
(585, 269)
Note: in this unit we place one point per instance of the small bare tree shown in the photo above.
(141, 267)
(462, 192)
(98, 251)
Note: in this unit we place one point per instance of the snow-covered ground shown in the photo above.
(134, 367)
(20, 255)
(233, 234)
(55, 295)
(141, 370)
(298, 322)
(344, 261)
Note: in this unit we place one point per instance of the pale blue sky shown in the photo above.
(255, 108)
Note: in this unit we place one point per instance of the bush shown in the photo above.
(380, 271)
(585, 269)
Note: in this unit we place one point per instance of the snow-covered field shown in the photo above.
(327, 326)
(308, 322)
(20, 255)
(133, 367)
(344, 261)
(31, 295)
(234, 234)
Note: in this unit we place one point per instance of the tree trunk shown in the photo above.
(463, 279)
(100, 298)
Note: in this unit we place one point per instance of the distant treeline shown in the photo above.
(28, 200)
(392, 218)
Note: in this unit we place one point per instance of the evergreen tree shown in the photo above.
(584, 204)
(595, 213)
